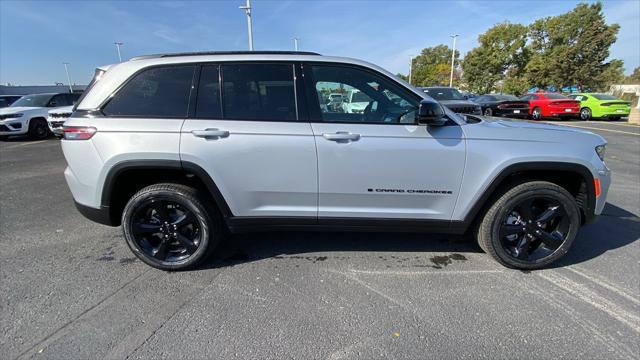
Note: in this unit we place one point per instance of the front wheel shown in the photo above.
(536, 114)
(169, 227)
(38, 129)
(585, 114)
(488, 112)
(530, 226)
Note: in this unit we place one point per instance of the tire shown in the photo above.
(4, 137)
(508, 214)
(536, 114)
(151, 224)
(38, 129)
(585, 114)
(488, 112)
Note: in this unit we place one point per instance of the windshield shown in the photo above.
(33, 101)
(444, 93)
(503, 97)
(556, 96)
(604, 97)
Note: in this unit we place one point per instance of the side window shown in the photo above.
(347, 94)
(73, 98)
(259, 92)
(157, 92)
(535, 97)
(208, 102)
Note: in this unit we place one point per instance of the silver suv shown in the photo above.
(182, 148)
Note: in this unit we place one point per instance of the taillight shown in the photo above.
(78, 132)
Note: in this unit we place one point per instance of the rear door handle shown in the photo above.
(210, 133)
(342, 136)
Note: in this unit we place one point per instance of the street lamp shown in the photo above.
(247, 10)
(295, 42)
(411, 67)
(453, 57)
(118, 44)
(66, 69)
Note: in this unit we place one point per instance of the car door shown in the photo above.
(250, 135)
(378, 163)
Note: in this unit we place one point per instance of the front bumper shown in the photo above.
(55, 125)
(14, 126)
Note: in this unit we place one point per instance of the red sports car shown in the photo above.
(551, 105)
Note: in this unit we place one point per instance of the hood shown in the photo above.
(12, 110)
(455, 103)
(523, 130)
(62, 110)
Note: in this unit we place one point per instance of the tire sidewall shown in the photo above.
(33, 124)
(181, 198)
(587, 113)
(488, 112)
(505, 206)
(539, 114)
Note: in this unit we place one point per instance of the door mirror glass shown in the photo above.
(431, 113)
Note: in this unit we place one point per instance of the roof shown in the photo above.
(199, 53)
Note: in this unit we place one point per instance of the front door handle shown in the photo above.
(210, 133)
(342, 136)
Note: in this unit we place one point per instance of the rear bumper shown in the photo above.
(101, 215)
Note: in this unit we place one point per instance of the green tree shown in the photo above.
(634, 78)
(502, 50)
(433, 67)
(572, 49)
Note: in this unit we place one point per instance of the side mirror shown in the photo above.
(431, 113)
(466, 97)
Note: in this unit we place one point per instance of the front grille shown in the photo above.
(60, 115)
(4, 128)
(56, 124)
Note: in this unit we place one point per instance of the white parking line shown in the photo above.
(604, 283)
(25, 144)
(420, 273)
(614, 123)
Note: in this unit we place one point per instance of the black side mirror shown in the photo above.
(431, 113)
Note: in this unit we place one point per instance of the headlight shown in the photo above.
(600, 150)
(11, 116)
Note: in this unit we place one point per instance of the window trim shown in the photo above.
(106, 102)
(315, 116)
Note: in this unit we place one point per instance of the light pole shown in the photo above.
(410, 67)
(295, 42)
(453, 57)
(118, 44)
(247, 10)
(66, 69)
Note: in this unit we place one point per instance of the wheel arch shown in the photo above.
(127, 177)
(575, 178)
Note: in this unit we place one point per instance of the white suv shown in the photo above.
(28, 115)
(180, 148)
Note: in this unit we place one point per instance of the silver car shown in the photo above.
(181, 148)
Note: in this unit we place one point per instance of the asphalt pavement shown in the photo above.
(71, 289)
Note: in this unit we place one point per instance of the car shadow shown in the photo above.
(614, 229)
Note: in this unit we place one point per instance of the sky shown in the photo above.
(36, 37)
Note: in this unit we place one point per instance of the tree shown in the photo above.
(572, 49)
(634, 78)
(433, 67)
(502, 49)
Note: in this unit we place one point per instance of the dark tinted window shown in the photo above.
(369, 98)
(604, 97)
(157, 92)
(73, 98)
(208, 103)
(60, 100)
(505, 97)
(258, 92)
(556, 96)
(444, 93)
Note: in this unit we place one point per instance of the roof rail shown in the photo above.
(197, 53)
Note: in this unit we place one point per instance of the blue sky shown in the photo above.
(36, 37)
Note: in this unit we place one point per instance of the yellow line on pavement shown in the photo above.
(600, 129)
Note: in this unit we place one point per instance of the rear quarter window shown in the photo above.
(161, 92)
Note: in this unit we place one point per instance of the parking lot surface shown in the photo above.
(71, 289)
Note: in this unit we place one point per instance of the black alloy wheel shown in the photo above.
(171, 226)
(38, 129)
(534, 229)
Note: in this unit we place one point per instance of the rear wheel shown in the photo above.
(536, 114)
(488, 112)
(38, 129)
(585, 114)
(530, 226)
(169, 227)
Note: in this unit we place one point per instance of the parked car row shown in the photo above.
(534, 106)
(30, 114)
